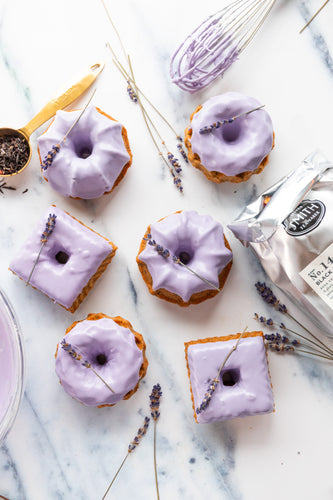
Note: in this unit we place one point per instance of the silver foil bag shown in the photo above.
(290, 229)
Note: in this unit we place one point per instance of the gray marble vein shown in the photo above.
(318, 39)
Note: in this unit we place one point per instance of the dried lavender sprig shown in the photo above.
(277, 347)
(154, 397)
(177, 180)
(49, 227)
(133, 444)
(176, 168)
(49, 157)
(130, 91)
(164, 252)
(268, 296)
(130, 82)
(127, 76)
(141, 432)
(218, 124)
(282, 326)
(276, 337)
(174, 162)
(182, 152)
(74, 353)
(213, 383)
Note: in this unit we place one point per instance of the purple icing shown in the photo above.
(61, 282)
(251, 393)
(91, 158)
(235, 147)
(120, 371)
(201, 237)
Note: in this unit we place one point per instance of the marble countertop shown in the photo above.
(59, 449)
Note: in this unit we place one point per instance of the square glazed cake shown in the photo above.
(244, 386)
(72, 259)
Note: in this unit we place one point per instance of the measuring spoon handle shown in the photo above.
(64, 100)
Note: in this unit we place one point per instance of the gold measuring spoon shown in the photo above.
(45, 114)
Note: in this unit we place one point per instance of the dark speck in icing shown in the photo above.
(101, 359)
(230, 377)
(184, 257)
(62, 257)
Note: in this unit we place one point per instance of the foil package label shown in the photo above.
(319, 275)
(305, 218)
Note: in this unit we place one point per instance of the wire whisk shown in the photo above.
(212, 48)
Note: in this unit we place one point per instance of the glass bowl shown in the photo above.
(11, 366)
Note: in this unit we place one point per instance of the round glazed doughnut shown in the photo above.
(234, 151)
(114, 350)
(94, 157)
(199, 242)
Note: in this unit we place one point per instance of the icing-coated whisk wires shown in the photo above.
(214, 45)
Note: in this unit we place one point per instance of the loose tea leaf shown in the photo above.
(14, 154)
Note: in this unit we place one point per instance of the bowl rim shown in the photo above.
(16, 340)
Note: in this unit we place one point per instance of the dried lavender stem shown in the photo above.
(102, 379)
(128, 77)
(314, 354)
(231, 351)
(310, 333)
(114, 478)
(213, 383)
(78, 118)
(314, 15)
(35, 263)
(326, 350)
(155, 466)
(196, 274)
(145, 114)
(73, 351)
(115, 29)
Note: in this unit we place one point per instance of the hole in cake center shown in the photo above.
(85, 152)
(61, 257)
(101, 359)
(230, 377)
(231, 131)
(83, 147)
(184, 256)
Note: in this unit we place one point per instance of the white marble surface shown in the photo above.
(59, 449)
